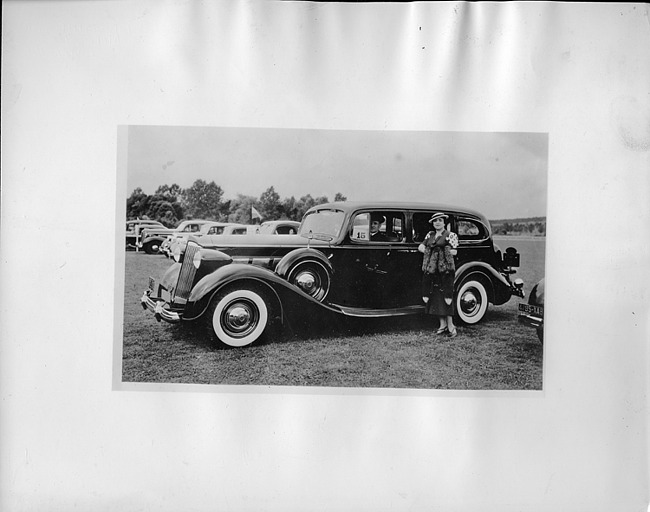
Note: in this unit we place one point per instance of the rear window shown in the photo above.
(286, 230)
(468, 229)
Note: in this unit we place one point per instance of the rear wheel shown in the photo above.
(238, 317)
(471, 301)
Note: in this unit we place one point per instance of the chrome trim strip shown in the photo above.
(378, 313)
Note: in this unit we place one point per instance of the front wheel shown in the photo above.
(471, 301)
(151, 247)
(238, 318)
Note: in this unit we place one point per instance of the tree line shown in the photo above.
(535, 226)
(172, 204)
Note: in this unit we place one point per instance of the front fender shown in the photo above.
(212, 282)
(288, 260)
(290, 299)
(153, 238)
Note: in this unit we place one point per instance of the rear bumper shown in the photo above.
(531, 321)
(159, 308)
(532, 316)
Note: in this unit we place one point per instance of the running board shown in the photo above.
(377, 313)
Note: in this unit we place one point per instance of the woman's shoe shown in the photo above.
(442, 330)
(453, 334)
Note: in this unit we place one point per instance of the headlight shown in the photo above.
(197, 259)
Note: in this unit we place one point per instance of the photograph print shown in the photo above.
(404, 260)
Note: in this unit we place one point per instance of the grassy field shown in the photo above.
(497, 354)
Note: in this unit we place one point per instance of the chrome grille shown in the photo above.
(186, 275)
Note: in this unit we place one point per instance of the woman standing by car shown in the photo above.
(438, 269)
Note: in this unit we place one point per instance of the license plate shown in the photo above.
(530, 309)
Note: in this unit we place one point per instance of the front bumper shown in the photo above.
(159, 307)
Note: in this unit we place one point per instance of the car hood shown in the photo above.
(220, 241)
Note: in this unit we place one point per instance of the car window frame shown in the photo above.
(386, 213)
(462, 239)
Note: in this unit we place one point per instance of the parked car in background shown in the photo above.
(179, 239)
(134, 229)
(532, 312)
(152, 238)
(279, 227)
(241, 229)
(242, 286)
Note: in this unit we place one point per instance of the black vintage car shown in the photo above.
(532, 312)
(240, 285)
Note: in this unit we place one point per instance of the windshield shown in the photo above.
(323, 222)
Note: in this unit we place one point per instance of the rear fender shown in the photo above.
(287, 262)
(493, 277)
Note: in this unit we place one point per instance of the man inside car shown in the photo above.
(376, 220)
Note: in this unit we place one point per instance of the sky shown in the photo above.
(502, 175)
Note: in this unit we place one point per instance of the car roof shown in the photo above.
(192, 221)
(215, 223)
(349, 206)
(283, 221)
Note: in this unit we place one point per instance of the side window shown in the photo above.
(470, 230)
(361, 228)
(421, 225)
(395, 227)
(378, 226)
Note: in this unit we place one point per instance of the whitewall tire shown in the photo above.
(238, 317)
(471, 301)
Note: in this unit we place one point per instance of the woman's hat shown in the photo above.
(438, 215)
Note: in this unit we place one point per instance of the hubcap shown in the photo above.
(307, 282)
(470, 303)
(311, 278)
(240, 318)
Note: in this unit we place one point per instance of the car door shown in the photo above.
(410, 258)
(368, 273)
